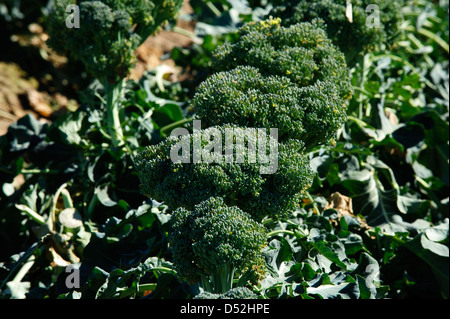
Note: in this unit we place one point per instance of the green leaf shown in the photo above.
(390, 143)
(278, 253)
(380, 121)
(333, 251)
(110, 288)
(18, 289)
(318, 221)
(412, 205)
(340, 291)
(173, 111)
(409, 135)
(308, 272)
(438, 233)
(379, 202)
(376, 205)
(285, 252)
(436, 248)
(368, 276)
(67, 129)
(167, 114)
(279, 268)
(103, 196)
(70, 218)
(352, 242)
(24, 131)
(436, 256)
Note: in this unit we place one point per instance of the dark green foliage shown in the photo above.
(109, 33)
(353, 38)
(302, 52)
(245, 97)
(391, 160)
(213, 242)
(273, 194)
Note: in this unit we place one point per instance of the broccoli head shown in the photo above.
(301, 52)
(234, 293)
(214, 242)
(267, 180)
(109, 33)
(245, 97)
(353, 36)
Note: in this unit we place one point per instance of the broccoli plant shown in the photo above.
(270, 185)
(350, 24)
(292, 79)
(214, 243)
(109, 33)
(245, 97)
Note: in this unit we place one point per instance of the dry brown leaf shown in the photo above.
(39, 102)
(56, 259)
(343, 205)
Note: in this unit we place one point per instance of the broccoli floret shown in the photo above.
(301, 52)
(353, 38)
(214, 242)
(271, 186)
(245, 97)
(110, 32)
(235, 293)
(108, 35)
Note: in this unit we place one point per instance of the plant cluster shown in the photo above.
(292, 77)
(348, 24)
(373, 223)
(72, 166)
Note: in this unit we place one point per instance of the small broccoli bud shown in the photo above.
(243, 96)
(244, 179)
(355, 35)
(214, 242)
(301, 52)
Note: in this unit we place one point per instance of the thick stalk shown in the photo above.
(225, 280)
(363, 67)
(221, 281)
(114, 93)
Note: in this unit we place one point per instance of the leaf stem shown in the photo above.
(165, 270)
(31, 213)
(213, 9)
(24, 258)
(39, 171)
(114, 92)
(175, 124)
(281, 231)
(188, 34)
